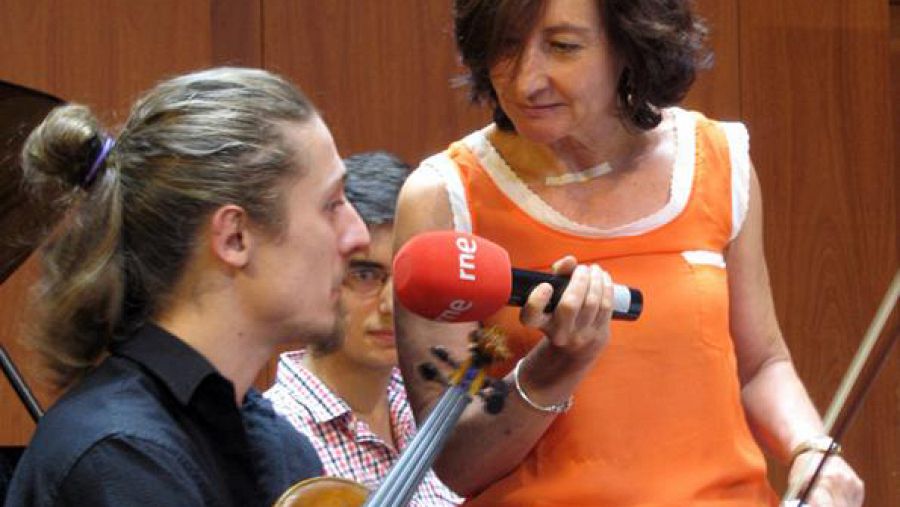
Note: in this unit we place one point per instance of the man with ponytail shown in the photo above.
(212, 229)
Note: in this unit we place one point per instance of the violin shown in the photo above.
(468, 380)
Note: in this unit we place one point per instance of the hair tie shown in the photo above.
(108, 143)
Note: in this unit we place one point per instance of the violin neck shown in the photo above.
(409, 471)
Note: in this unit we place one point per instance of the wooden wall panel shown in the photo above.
(101, 52)
(895, 97)
(717, 91)
(380, 72)
(104, 53)
(808, 77)
(815, 95)
(236, 32)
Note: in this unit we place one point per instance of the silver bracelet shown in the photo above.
(819, 443)
(556, 408)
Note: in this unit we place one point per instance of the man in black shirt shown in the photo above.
(160, 422)
(213, 230)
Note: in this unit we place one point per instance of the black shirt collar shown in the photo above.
(175, 363)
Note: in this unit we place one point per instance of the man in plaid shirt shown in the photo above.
(348, 396)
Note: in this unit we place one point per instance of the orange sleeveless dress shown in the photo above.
(659, 420)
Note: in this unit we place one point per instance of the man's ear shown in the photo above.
(230, 239)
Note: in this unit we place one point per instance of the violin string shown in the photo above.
(424, 460)
(388, 486)
(389, 494)
(404, 481)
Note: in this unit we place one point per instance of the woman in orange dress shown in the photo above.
(590, 158)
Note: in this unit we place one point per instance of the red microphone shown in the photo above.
(457, 277)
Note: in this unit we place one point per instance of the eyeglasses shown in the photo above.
(366, 278)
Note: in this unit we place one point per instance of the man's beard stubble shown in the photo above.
(320, 342)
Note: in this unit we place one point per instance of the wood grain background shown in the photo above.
(816, 81)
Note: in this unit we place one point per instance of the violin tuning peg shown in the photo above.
(494, 395)
(496, 385)
(442, 354)
(430, 372)
(493, 403)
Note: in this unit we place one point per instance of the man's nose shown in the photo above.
(355, 236)
(386, 297)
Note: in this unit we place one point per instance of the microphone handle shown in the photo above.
(627, 302)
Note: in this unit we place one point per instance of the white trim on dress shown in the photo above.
(444, 168)
(519, 193)
(704, 258)
(739, 155)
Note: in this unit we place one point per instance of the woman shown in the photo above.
(210, 231)
(588, 156)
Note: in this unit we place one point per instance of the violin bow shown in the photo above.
(837, 419)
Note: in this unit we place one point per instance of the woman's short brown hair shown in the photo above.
(660, 42)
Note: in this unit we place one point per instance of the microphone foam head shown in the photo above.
(452, 276)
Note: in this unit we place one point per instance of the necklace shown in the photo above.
(578, 177)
